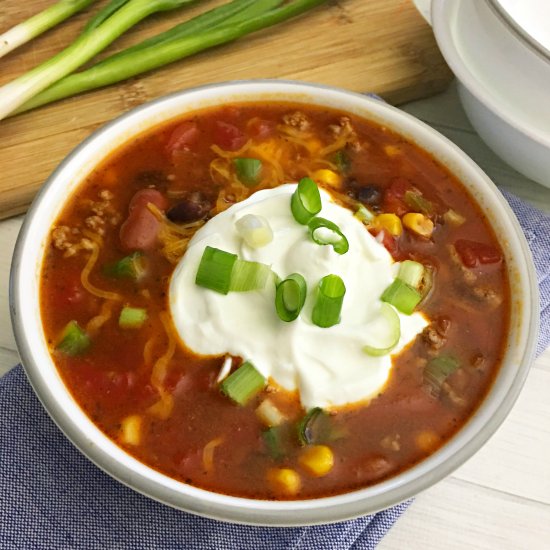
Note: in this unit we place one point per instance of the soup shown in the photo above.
(155, 373)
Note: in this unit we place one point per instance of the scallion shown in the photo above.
(129, 267)
(273, 441)
(290, 297)
(269, 414)
(313, 427)
(418, 203)
(39, 23)
(74, 340)
(438, 370)
(363, 214)
(229, 13)
(248, 170)
(132, 317)
(330, 297)
(248, 276)
(402, 296)
(157, 54)
(393, 331)
(215, 270)
(342, 161)
(86, 46)
(323, 232)
(255, 230)
(243, 384)
(411, 272)
(427, 282)
(306, 201)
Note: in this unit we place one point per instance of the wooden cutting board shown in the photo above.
(383, 46)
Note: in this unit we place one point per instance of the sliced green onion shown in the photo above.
(215, 270)
(401, 296)
(249, 276)
(74, 340)
(243, 384)
(453, 218)
(327, 308)
(342, 161)
(411, 272)
(255, 230)
(427, 281)
(248, 171)
(391, 318)
(290, 297)
(323, 232)
(438, 370)
(39, 23)
(273, 441)
(418, 203)
(363, 214)
(129, 267)
(313, 427)
(306, 201)
(132, 317)
(269, 414)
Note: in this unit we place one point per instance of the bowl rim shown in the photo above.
(443, 17)
(519, 31)
(282, 513)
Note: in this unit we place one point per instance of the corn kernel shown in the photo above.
(328, 177)
(318, 460)
(427, 440)
(390, 222)
(131, 430)
(284, 480)
(419, 224)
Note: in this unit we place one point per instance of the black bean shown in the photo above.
(369, 195)
(193, 208)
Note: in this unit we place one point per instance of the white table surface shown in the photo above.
(500, 499)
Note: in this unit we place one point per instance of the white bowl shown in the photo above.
(504, 81)
(115, 461)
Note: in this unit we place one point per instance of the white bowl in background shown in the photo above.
(47, 383)
(504, 80)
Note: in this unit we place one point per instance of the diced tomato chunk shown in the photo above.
(473, 253)
(393, 200)
(140, 230)
(228, 136)
(183, 137)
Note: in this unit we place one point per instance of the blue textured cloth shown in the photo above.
(51, 497)
(536, 227)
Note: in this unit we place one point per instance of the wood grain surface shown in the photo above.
(384, 46)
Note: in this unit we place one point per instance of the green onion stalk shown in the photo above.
(227, 14)
(157, 54)
(40, 23)
(92, 41)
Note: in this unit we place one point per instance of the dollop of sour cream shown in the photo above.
(326, 365)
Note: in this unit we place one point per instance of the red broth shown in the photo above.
(161, 402)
